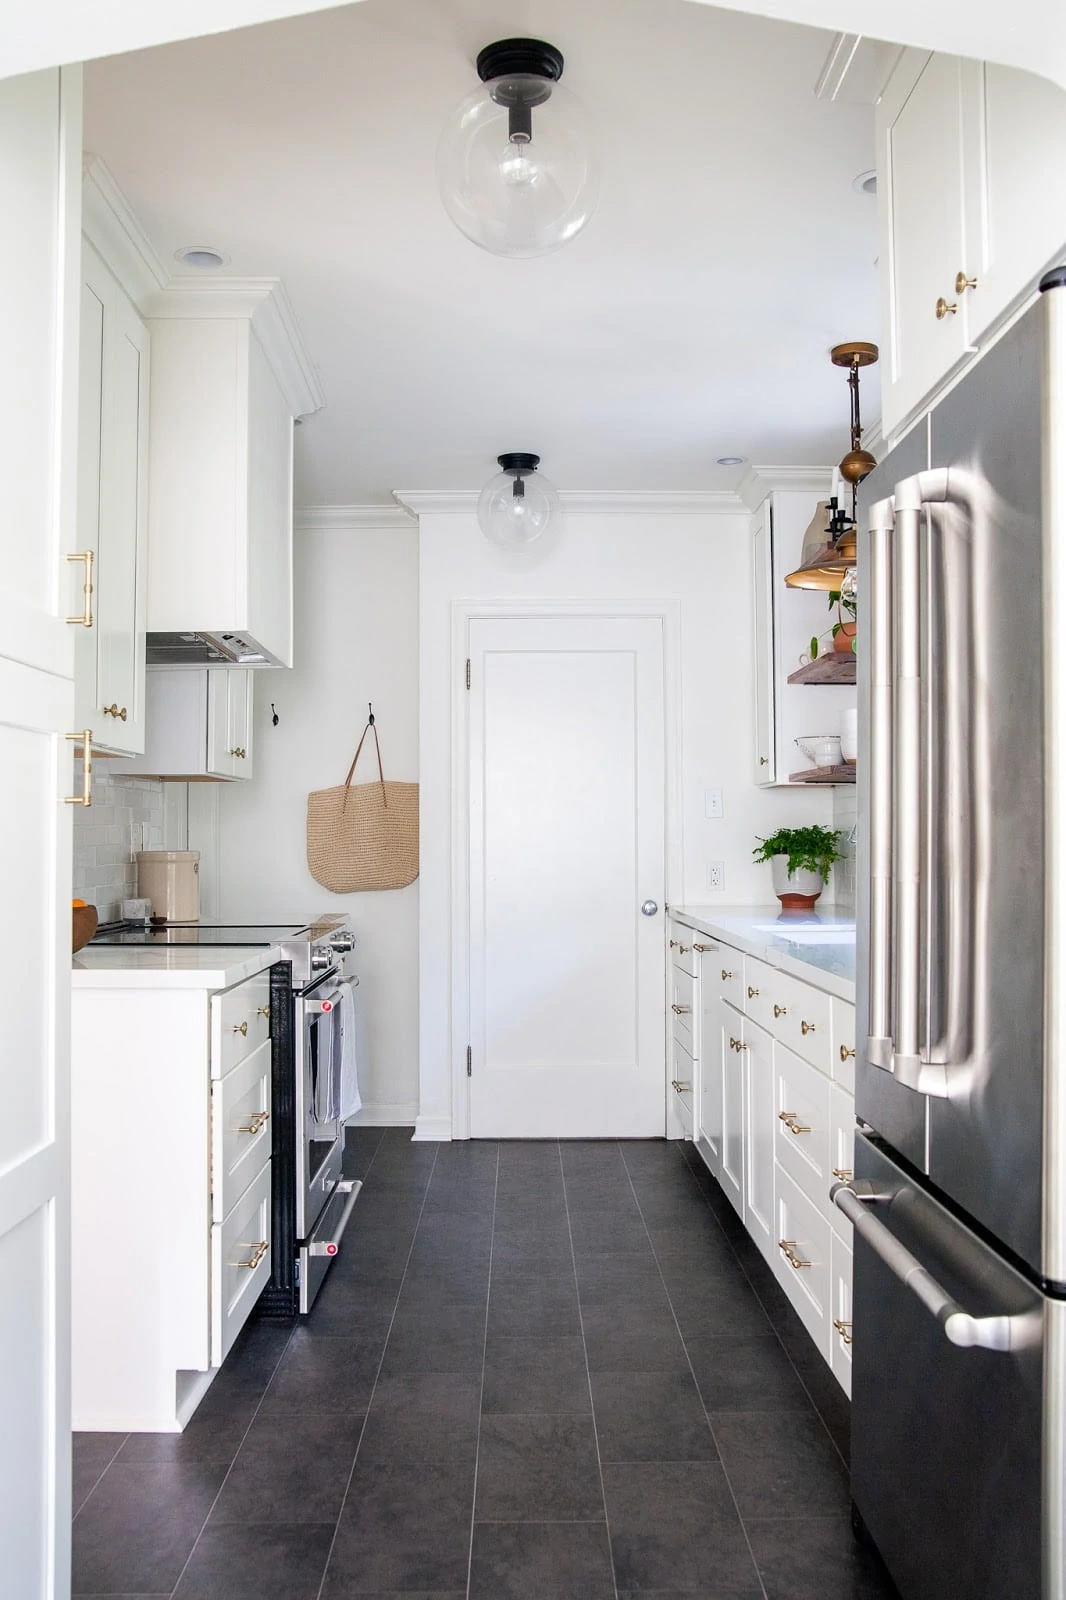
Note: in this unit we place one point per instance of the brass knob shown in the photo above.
(944, 309)
(673, 944)
(806, 1028)
(732, 1042)
(681, 1011)
(258, 1122)
(242, 1028)
(779, 1011)
(726, 975)
(683, 948)
(258, 1252)
(845, 1053)
(844, 1330)
(263, 1011)
(764, 761)
(845, 1174)
(113, 711)
(752, 992)
(962, 283)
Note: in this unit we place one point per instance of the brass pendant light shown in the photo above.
(830, 548)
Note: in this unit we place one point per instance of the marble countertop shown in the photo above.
(817, 947)
(168, 966)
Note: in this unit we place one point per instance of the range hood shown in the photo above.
(204, 650)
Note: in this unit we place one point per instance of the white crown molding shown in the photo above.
(262, 302)
(610, 502)
(111, 228)
(758, 482)
(349, 519)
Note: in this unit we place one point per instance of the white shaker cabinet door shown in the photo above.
(759, 1141)
(731, 1026)
(229, 722)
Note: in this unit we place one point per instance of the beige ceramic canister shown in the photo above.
(170, 879)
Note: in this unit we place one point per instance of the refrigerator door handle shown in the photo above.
(879, 1045)
(987, 1333)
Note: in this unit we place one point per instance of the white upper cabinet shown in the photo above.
(112, 479)
(199, 723)
(229, 375)
(762, 571)
(972, 209)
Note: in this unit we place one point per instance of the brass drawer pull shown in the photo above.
(845, 1053)
(681, 1088)
(844, 1330)
(86, 797)
(113, 711)
(238, 752)
(845, 1174)
(791, 1121)
(786, 1116)
(258, 1252)
(798, 1127)
(788, 1247)
(752, 992)
(780, 1011)
(945, 309)
(258, 1122)
(681, 1011)
(263, 1011)
(673, 944)
(241, 1028)
(701, 949)
(806, 1028)
(764, 761)
(683, 949)
(962, 283)
(86, 618)
(726, 976)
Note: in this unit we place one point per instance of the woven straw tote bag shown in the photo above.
(363, 836)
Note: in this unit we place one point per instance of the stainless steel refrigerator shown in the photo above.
(959, 1194)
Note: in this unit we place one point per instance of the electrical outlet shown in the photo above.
(716, 875)
(712, 802)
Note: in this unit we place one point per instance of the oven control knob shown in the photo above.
(321, 958)
(343, 943)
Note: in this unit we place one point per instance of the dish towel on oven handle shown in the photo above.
(344, 1078)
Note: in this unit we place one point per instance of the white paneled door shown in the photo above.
(567, 845)
(40, 196)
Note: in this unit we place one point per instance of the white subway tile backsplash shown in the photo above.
(845, 818)
(126, 816)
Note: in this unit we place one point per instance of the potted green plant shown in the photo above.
(800, 860)
(844, 628)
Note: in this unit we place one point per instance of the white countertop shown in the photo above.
(815, 946)
(168, 966)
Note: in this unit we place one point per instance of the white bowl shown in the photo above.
(821, 748)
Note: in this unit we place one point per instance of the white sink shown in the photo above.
(837, 933)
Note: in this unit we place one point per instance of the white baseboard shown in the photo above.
(401, 1114)
(431, 1130)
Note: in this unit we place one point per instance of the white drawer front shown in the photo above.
(240, 1264)
(683, 1007)
(240, 1129)
(240, 1021)
(841, 1330)
(803, 1258)
(760, 989)
(841, 1150)
(801, 1116)
(803, 1021)
(726, 971)
(681, 950)
(842, 1054)
(683, 1079)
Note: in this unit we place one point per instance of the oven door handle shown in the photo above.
(989, 1333)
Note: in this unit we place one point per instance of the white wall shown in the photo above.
(699, 561)
(356, 641)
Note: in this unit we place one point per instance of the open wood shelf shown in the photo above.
(844, 773)
(835, 666)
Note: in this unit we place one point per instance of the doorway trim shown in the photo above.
(464, 612)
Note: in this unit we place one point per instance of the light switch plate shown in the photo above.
(712, 803)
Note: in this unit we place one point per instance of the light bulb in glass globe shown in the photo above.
(516, 164)
(515, 507)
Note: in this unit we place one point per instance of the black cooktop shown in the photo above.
(199, 933)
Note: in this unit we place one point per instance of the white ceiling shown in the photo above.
(691, 319)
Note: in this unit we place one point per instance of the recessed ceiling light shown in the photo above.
(203, 257)
(865, 183)
(731, 461)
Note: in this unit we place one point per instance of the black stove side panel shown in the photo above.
(281, 1297)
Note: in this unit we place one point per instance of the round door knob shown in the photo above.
(649, 908)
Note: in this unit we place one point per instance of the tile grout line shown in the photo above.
(481, 1392)
(588, 1372)
(695, 1380)
(776, 1332)
(377, 1374)
(99, 1480)
(258, 1408)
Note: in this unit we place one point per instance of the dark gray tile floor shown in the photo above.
(538, 1371)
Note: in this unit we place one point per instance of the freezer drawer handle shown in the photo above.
(990, 1333)
(330, 1247)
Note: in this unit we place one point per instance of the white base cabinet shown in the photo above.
(198, 723)
(170, 1199)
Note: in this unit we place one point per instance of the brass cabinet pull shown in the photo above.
(779, 1011)
(673, 944)
(113, 711)
(845, 1053)
(682, 1088)
(806, 1028)
(258, 1252)
(86, 797)
(962, 283)
(764, 761)
(86, 618)
(785, 1116)
(752, 992)
(844, 1330)
(792, 1122)
(681, 1011)
(258, 1122)
(726, 976)
(701, 949)
(945, 309)
(798, 1127)
(683, 948)
(241, 1028)
(238, 752)
(788, 1246)
(845, 1174)
(263, 1011)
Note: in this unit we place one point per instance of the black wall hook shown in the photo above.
(370, 709)
(273, 715)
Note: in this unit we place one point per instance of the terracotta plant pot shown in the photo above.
(85, 919)
(843, 637)
(797, 891)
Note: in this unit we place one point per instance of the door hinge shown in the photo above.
(469, 1062)
(468, 672)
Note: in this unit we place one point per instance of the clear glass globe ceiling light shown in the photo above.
(516, 164)
(516, 506)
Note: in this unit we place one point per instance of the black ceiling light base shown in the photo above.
(513, 57)
(519, 461)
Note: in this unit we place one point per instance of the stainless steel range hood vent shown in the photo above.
(204, 650)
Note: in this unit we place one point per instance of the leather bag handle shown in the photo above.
(371, 724)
